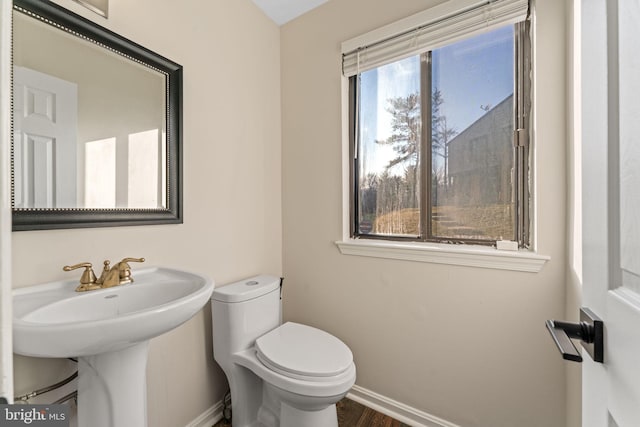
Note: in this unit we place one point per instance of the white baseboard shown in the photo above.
(399, 411)
(208, 417)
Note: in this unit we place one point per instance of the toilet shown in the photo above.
(286, 375)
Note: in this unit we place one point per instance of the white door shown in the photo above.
(44, 141)
(609, 33)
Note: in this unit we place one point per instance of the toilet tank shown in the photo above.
(243, 311)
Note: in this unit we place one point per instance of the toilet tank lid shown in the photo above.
(246, 289)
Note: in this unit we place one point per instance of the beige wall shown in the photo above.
(465, 344)
(232, 188)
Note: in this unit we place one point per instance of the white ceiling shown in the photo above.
(282, 11)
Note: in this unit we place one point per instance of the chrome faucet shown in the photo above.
(119, 274)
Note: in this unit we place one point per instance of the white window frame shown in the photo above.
(525, 260)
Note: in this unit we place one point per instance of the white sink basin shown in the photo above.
(52, 320)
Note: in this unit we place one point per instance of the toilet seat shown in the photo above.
(303, 352)
(305, 386)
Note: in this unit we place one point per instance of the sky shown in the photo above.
(471, 74)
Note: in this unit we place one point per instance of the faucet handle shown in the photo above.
(88, 278)
(125, 269)
(125, 260)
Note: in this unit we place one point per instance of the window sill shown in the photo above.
(467, 255)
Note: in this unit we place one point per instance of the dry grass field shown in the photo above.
(490, 222)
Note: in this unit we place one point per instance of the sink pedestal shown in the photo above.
(112, 388)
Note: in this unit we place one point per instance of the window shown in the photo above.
(438, 137)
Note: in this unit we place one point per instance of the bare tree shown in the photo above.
(406, 128)
(441, 134)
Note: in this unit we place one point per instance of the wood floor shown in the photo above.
(353, 414)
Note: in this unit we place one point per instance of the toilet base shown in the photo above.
(281, 408)
(292, 417)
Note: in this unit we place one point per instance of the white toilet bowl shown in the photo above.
(291, 375)
(303, 398)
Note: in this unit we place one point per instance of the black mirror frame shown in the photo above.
(44, 219)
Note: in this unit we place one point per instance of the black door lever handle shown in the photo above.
(561, 336)
(590, 332)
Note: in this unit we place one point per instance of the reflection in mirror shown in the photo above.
(88, 123)
(101, 7)
(96, 123)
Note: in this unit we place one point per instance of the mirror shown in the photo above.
(96, 125)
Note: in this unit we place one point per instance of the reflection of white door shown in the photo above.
(610, 127)
(45, 122)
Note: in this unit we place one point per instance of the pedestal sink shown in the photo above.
(108, 330)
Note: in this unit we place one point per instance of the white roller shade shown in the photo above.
(428, 30)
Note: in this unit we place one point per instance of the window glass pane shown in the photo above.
(472, 133)
(388, 149)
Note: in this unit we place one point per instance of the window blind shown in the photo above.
(428, 30)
